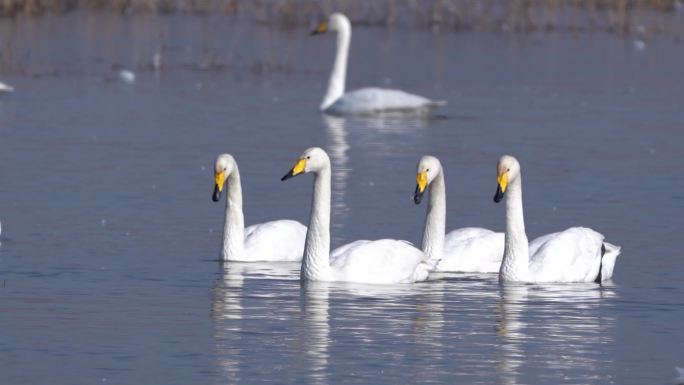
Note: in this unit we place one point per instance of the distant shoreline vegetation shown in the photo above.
(619, 16)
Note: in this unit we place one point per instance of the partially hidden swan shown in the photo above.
(578, 254)
(364, 101)
(468, 249)
(280, 240)
(384, 261)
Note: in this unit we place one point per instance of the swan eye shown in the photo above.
(308, 157)
(508, 169)
(427, 170)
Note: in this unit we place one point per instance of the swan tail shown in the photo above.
(425, 268)
(609, 254)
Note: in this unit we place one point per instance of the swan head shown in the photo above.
(428, 169)
(312, 160)
(337, 21)
(224, 166)
(507, 170)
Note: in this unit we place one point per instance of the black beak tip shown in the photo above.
(499, 195)
(286, 176)
(217, 194)
(417, 196)
(314, 32)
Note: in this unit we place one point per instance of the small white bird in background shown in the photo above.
(639, 45)
(6, 87)
(127, 76)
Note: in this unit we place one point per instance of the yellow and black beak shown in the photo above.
(421, 185)
(322, 28)
(502, 183)
(220, 180)
(298, 168)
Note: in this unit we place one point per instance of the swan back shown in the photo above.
(374, 101)
(281, 240)
(379, 262)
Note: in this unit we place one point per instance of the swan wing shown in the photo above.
(573, 255)
(383, 261)
(378, 100)
(473, 250)
(464, 233)
(344, 248)
(280, 240)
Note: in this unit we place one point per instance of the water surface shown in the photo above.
(110, 239)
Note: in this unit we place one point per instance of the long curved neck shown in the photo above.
(234, 227)
(339, 73)
(316, 261)
(435, 221)
(515, 263)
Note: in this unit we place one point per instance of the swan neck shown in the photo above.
(435, 220)
(515, 263)
(234, 227)
(316, 260)
(338, 76)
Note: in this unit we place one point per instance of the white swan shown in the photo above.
(377, 262)
(281, 240)
(578, 254)
(364, 101)
(469, 249)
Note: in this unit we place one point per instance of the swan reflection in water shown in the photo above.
(376, 322)
(228, 310)
(337, 150)
(368, 131)
(563, 325)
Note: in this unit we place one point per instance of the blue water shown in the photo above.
(108, 261)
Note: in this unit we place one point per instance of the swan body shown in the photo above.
(365, 101)
(480, 253)
(280, 240)
(383, 261)
(470, 249)
(578, 254)
(378, 101)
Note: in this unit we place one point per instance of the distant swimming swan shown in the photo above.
(379, 262)
(281, 240)
(469, 249)
(364, 101)
(578, 254)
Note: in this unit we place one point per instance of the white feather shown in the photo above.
(365, 101)
(375, 101)
(469, 249)
(383, 261)
(280, 240)
(479, 253)
(573, 255)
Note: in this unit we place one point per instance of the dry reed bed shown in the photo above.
(624, 16)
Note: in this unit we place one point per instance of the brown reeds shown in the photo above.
(482, 15)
